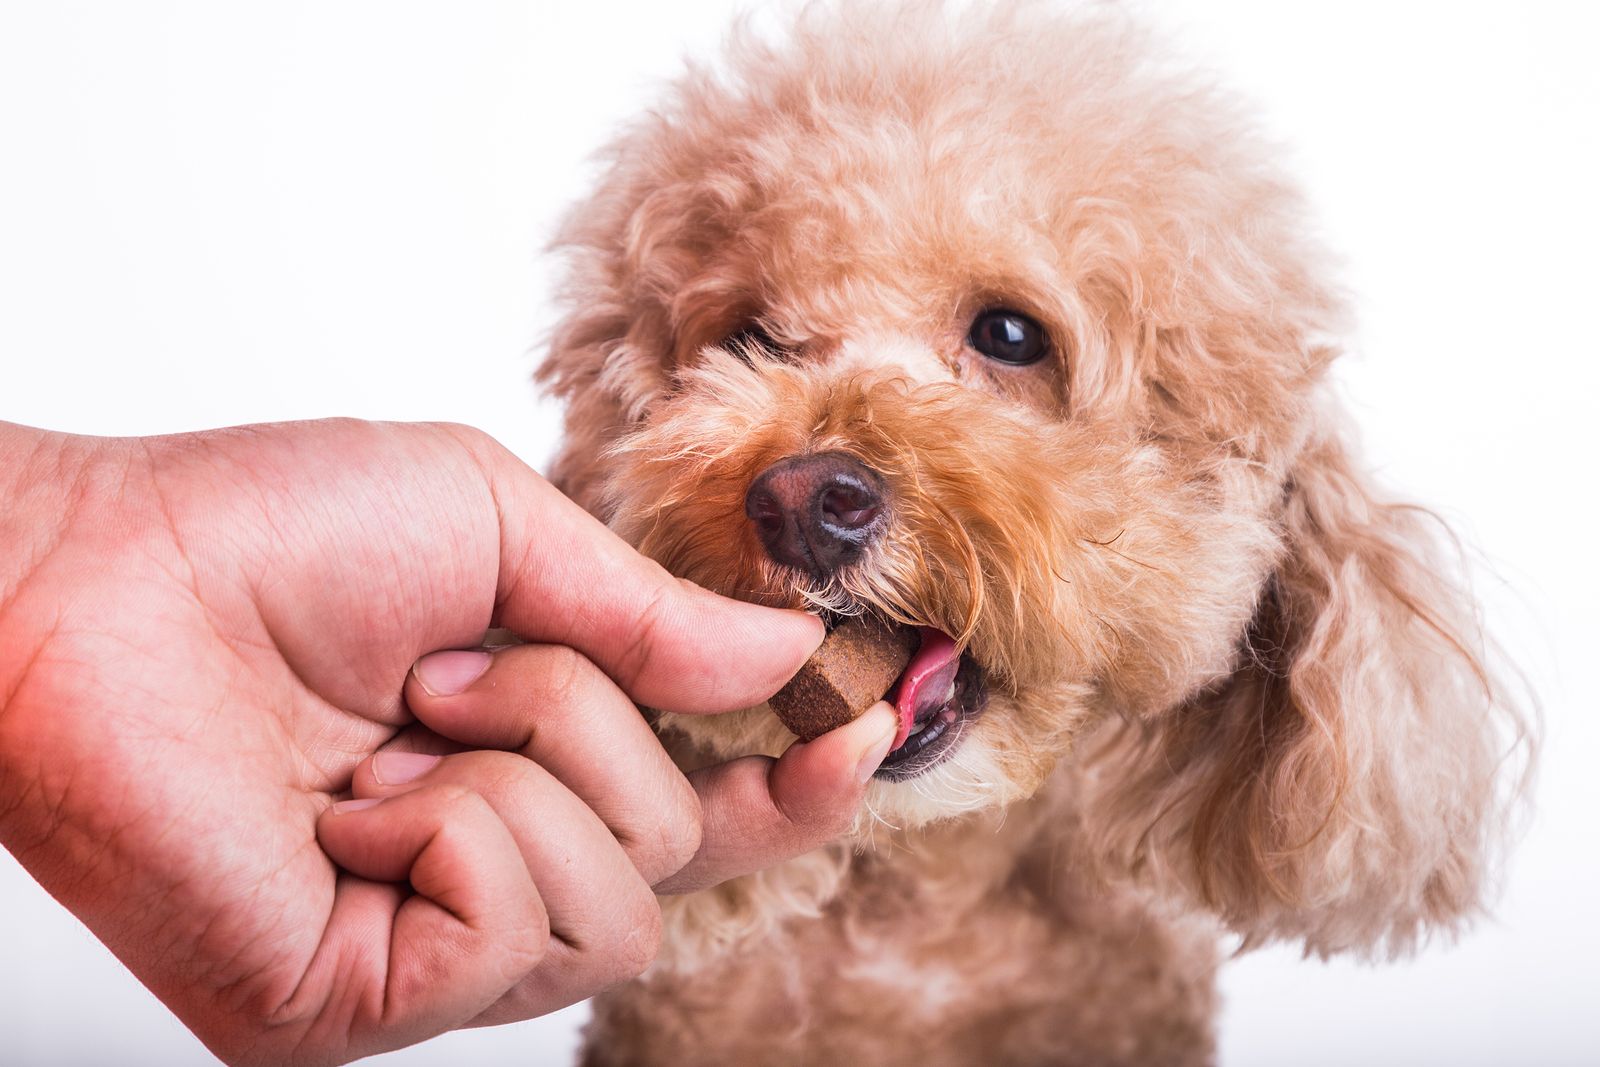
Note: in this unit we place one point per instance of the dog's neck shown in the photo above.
(959, 862)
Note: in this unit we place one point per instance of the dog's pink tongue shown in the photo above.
(927, 678)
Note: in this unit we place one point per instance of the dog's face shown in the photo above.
(985, 324)
(966, 283)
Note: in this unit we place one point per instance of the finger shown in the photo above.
(597, 904)
(553, 706)
(565, 579)
(472, 928)
(604, 921)
(759, 811)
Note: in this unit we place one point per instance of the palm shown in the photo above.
(314, 606)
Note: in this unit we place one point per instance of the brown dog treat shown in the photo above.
(854, 668)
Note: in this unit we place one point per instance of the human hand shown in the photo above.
(203, 643)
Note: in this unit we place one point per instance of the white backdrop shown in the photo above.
(216, 213)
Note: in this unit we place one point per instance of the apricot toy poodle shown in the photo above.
(1031, 327)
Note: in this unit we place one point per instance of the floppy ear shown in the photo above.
(1344, 785)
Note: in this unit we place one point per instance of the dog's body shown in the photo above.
(1053, 316)
(975, 942)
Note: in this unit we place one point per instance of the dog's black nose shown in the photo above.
(816, 513)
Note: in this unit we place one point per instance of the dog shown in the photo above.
(1034, 328)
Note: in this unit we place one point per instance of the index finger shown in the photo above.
(566, 579)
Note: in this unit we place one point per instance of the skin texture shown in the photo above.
(1231, 686)
(216, 751)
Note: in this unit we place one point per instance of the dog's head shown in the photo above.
(986, 323)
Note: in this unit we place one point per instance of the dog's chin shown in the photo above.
(1000, 756)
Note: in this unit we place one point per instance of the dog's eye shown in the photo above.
(751, 340)
(1009, 336)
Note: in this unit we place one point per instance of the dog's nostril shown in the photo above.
(767, 513)
(816, 513)
(849, 506)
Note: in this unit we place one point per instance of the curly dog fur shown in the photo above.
(1232, 691)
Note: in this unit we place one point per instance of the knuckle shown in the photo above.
(452, 801)
(529, 942)
(638, 938)
(568, 675)
(504, 776)
(655, 617)
(491, 778)
(816, 819)
(684, 825)
(471, 437)
(667, 832)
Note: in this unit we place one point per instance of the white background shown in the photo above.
(215, 213)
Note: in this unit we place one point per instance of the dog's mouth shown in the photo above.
(937, 695)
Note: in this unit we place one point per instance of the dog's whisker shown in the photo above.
(877, 817)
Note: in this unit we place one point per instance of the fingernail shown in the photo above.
(345, 807)
(447, 674)
(398, 768)
(881, 723)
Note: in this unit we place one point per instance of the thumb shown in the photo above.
(566, 579)
(758, 811)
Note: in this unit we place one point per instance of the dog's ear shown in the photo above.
(634, 293)
(1346, 786)
(595, 362)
